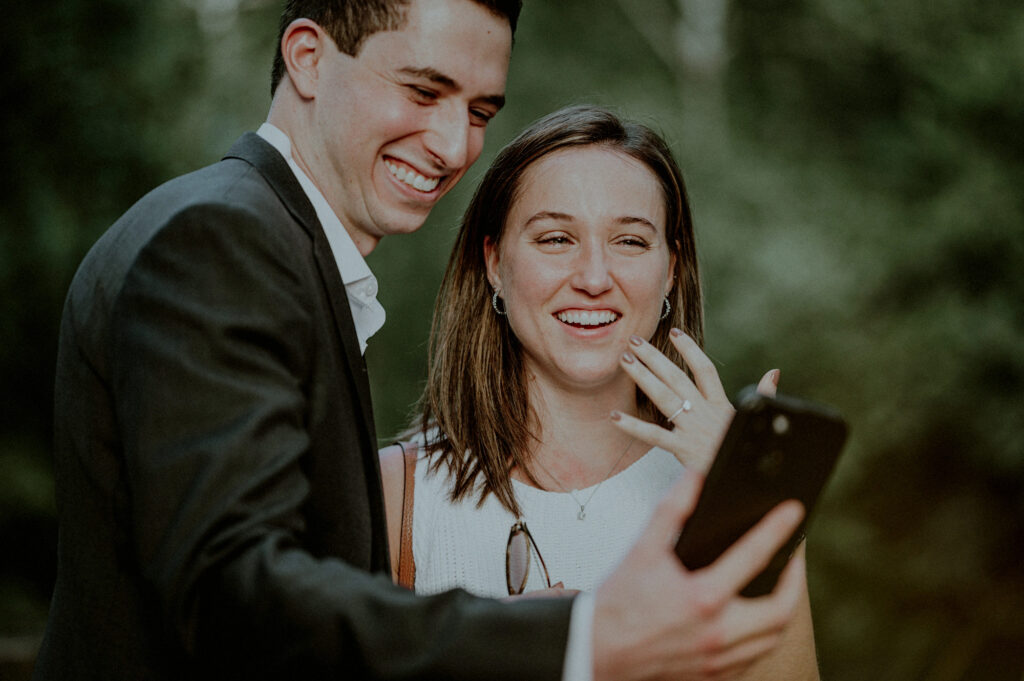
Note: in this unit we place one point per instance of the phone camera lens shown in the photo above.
(770, 463)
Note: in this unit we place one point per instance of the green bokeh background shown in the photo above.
(855, 168)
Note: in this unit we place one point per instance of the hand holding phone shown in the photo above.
(776, 448)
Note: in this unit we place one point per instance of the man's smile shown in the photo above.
(408, 175)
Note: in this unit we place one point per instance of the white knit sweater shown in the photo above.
(462, 545)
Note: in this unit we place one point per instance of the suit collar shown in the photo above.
(260, 154)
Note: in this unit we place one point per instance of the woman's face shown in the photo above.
(583, 263)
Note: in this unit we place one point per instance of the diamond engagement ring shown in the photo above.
(687, 406)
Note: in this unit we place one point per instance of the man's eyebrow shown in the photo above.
(435, 76)
(430, 74)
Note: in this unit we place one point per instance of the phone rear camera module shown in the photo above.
(780, 424)
(770, 463)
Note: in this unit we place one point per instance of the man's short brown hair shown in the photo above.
(350, 22)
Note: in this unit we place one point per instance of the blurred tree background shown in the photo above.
(855, 168)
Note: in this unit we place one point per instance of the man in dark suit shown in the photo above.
(217, 480)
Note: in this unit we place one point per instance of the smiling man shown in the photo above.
(217, 477)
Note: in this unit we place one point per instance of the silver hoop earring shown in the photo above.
(494, 303)
(668, 308)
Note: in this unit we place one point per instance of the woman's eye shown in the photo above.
(634, 242)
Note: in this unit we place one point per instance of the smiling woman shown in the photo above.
(577, 244)
(557, 411)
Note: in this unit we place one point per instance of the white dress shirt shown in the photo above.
(360, 284)
(368, 315)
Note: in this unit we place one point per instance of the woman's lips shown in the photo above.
(587, 319)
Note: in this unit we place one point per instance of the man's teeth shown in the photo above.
(412, 178)
(588, 318)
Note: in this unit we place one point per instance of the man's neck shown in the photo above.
(289, 119)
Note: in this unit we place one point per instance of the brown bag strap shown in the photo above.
(406, 563)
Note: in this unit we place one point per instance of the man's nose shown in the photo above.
(593, 272)
(447, 138)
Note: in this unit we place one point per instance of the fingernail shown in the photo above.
(627, 357)
(676, 332)
(775, 377)
(616, 416)
(636, 340)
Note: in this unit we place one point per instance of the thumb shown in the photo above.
(672, 511)
(769, 383)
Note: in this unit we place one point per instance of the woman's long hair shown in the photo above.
(475, 408)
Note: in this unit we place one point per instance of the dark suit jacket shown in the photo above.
(217, 481)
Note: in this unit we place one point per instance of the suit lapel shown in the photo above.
(256, 151)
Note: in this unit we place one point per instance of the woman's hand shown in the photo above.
(699, 409)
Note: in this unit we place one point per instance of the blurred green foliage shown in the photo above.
(855, 170)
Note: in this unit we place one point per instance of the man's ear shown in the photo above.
(302, 47)
(491, 258)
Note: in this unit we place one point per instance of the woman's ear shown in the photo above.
(491, 258)
(302, 47)
(671, 274)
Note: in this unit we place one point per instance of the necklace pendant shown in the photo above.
(581, 515)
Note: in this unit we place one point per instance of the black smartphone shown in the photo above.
(776, 448)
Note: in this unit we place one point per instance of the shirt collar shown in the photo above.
(350, 261)
(360, 284)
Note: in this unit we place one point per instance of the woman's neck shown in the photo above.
(578, 445)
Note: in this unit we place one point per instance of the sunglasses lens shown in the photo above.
(517, 562)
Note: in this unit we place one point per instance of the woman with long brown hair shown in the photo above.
(556, 412)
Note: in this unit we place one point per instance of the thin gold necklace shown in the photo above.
(582, 515)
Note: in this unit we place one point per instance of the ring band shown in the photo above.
(686, 407)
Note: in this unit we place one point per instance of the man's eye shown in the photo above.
(481, 116)
(423, 93)
(553, 240)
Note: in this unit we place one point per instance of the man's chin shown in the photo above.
(404, 222)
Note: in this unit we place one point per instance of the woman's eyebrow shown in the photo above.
(549, 215)
(565, 217)
(636, 220)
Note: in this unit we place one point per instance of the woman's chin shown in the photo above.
(596, 380)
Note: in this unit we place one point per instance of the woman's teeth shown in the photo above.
(588, 318)
(412, 178)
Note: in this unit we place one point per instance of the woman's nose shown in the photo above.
(592, 273)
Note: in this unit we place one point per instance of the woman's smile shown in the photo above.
(587, 319)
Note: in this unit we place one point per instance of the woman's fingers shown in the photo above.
(646, 366)
(703, 369)
(663, 368)
(656, 436)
